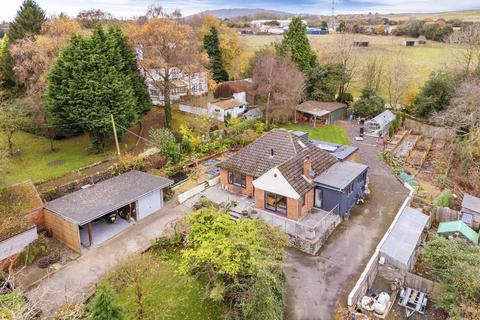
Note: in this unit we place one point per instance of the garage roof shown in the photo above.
(341, 174)
(88, 204)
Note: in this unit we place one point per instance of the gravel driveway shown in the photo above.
(317, 284)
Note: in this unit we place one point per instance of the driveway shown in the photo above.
(77, 280)
(317, 284)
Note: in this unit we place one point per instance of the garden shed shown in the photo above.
(458, 229)
(318, 113)
(99, 212)
(20, 213)
(378, 126)
(400, 247)
(471, 211)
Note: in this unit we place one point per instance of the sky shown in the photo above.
(129, 8)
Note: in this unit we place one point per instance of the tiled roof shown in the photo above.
(289, 152)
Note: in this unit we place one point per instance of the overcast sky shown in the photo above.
(128, 8)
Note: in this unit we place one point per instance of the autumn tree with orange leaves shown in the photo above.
(165, 48)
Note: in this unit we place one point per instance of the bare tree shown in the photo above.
(463, 117)
(372, 73)
(280, 82)
(468, 41)
(396, 81)
(343, 53)
(88, 18)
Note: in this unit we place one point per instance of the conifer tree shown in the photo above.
(6, 64)
(29, 20)
(87, 84)
(104, 307)
(211, 44)
(295, 43)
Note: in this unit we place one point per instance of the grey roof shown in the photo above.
(384, 118)
(402, 241)
(85, 205)
(255, 113)
(341, 152)
(471, 203)
(289, 152)
(319, 108)
(341, 174)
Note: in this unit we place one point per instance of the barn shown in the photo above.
(97, 213)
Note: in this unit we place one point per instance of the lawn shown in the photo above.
(168, 295)
(37, 162)
(420, 60)
(330, 133)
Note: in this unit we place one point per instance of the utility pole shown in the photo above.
(116, 137)
(333, 15)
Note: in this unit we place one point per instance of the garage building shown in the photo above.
(99, 212)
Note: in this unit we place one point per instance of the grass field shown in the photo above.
(420, 60)
(331, 133)
(37, 162)
(464, 15)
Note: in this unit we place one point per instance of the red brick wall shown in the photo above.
(36, 216)
(248, 191)
(294, 209)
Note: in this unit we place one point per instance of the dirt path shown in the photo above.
(77, 280)
(317, 284)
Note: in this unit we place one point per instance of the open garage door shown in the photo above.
(149, 204)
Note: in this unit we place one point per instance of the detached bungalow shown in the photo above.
(235, 106)
(289, 176)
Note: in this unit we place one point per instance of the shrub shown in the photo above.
(104, 307)
(444, 199)
(164, 140)
(369, 104)
(70, 312)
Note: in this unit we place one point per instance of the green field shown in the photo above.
(465, 15)
(37, 162)
(420, 60)
(330, 133)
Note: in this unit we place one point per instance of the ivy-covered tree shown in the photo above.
(87, 84)
(435, 94)
(369, 104)
(104, 307)
(295, 42)
(29, 20)
(324, 82)
(7, 78)
(211, 43)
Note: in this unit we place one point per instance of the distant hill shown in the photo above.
(241, 12)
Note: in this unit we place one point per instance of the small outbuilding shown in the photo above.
(99, 212)
(471, 211)
(234, 107)
(458, 229)
(360, 43)
(318, 113)
(400, 247)
(378, 126)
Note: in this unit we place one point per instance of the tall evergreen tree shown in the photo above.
(29, 20)
(130, 68)
(295, 43)
(6, 64)
(87, 84)
(104, 307)
(211, 43)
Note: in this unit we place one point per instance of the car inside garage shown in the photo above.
(99, 212)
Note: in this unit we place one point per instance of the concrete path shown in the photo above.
(77, 280)
(317, 284)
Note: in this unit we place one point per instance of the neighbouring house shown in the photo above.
(458, 229)
(99, 212)
(184, 84)
(228, 88)
(378, 126)
(21, 212)
(318, 113)
(289, 176)
(235, 107)
(339, 151)
(471, 211)
(400, 248)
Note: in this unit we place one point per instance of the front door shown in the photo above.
(318, 198)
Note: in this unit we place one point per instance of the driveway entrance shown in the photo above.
(317, 284)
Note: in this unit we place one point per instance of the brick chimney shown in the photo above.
(307, 166)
